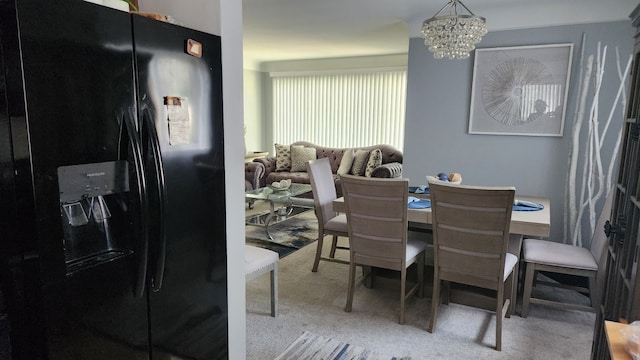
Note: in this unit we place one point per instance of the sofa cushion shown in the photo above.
(283, 157)
(359, 162)
(391, 164)
(346, 162)
(295, 177)
(390, 170)
(300, 155)
(375, 160)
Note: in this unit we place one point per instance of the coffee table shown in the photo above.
(285, 198)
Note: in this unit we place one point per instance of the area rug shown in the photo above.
(310, 346)
(288, 235)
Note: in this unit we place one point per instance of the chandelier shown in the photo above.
(453, 35)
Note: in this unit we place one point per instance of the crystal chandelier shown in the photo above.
(453, 35)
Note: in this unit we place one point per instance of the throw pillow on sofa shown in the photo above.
(283, 157)
(359, 162)
(375, 160)
(346, 162)
(300, 155)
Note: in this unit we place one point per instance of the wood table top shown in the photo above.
(615, 340)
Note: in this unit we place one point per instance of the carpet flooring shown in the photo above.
(314, 302)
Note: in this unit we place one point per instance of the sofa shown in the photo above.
(388, 162)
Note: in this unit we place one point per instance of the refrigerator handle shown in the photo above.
(143, 249)
(148, 125)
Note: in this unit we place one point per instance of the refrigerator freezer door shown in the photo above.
(76, 63)
(188, 314)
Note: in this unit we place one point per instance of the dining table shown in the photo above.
(530, 223)
(534, 224)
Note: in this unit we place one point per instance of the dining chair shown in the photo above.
(329, 221)
(377, 222)
(568, 266)
(258, 261)
(470, 240)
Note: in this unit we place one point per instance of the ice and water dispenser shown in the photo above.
(94, 213)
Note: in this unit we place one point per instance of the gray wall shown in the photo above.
(437, 117)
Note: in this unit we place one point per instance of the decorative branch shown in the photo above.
(587, 187)
(569, 191)
(575, 149)
(595, 182)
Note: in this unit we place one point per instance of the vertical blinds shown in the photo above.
(340, 110)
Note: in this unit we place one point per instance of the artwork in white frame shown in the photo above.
(520, 90)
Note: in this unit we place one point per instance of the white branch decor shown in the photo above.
(595, 180)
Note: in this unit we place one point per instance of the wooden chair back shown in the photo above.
(471, 233)
(377, 217)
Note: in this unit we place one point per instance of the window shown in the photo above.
(340, 109)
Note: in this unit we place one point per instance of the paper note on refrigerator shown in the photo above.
(178, 120)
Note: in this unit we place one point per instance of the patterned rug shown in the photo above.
(288, 236)
(310, 346)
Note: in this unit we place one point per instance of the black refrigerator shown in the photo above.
(112, 193)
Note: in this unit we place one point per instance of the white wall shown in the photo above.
(195, 14)
(231, 32)
(253, 111)
(224, 18)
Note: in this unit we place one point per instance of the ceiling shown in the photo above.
(275, 30)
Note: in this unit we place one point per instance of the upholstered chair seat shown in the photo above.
(558, 254)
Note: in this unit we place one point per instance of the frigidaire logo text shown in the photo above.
(101, 173)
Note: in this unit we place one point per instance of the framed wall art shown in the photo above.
(520, 90)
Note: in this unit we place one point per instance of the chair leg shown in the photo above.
(515, 248)
(352, 285)
(403, 293)
(514, 288)
(334, 245)
(593, 290)
(446, 293)
(421, 276)
(435, 302)
(499, 316)
(508, 293)
(274, 290)
(528, 284)
(318, 252)
(368, 274)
